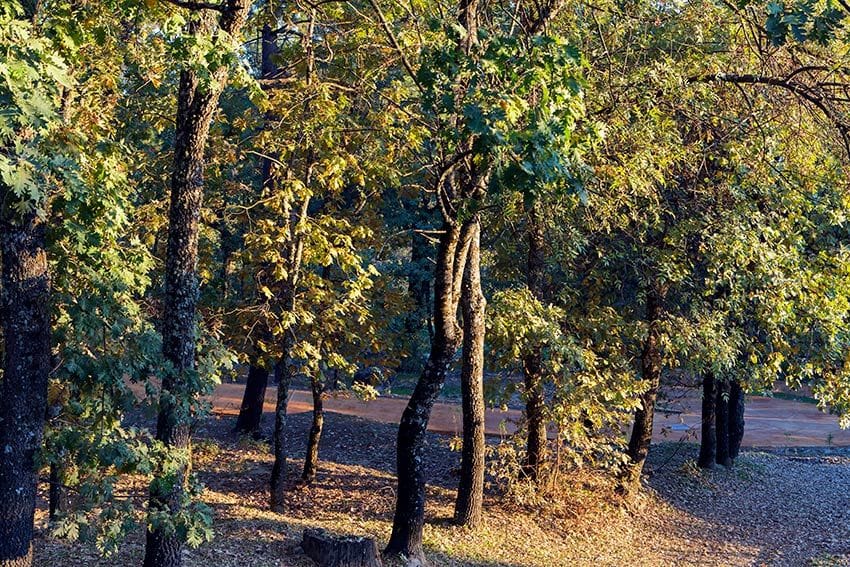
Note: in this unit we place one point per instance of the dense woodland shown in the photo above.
(560, 201)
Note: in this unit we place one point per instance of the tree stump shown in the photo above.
(334, 551)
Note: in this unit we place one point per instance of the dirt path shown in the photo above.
(770, 422)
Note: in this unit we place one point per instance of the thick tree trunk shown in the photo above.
(283, 377)
(197, 101)
(311, 460)
(736, 419)
(708, 437)
(722, 413)
(535, 395)
(470, 492)
(25, 322)
(335, 551)
(409, 517)
(650, 360)
(251, 411)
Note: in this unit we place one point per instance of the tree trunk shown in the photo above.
(251, 411)
(283, 377)
(532, 364)
(311, 460)
(25, 322)
(58, 498)
(470, 492)
(722, 404)
(736, 419)
(334, 551)
(650, 360)
(409, 516)
(197, 101)
(708, 438)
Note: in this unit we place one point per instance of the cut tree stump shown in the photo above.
(340, 551)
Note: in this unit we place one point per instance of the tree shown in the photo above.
(197, 100)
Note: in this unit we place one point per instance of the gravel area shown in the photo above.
(769, 509)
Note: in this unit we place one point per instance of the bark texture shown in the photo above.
(409, 516)
(722, 404)
(283, 377)
(650, 361)
(196, 105)
(470, 492)
(736, 419)
(251, 411)
(708, 437)
(532, 366)
(25, 322)
(311, 460)
(334, 551)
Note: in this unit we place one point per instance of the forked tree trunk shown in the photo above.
(25, 323)
(197, 100)
(470, 492)
(409, 516)
(311, 460)
(532, 364)
(736, 419)
(708, 437)
(722, 405)
(251, 411)
(650, 360)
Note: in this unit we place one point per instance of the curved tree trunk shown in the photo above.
(736, 419)
(197, 101)
(409, 516)
(650, 361)
(708, 437)
(251, 411)
(470, 492)
(722, 404)
(311, 460)
(25, 323)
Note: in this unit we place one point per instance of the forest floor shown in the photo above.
(770, 509)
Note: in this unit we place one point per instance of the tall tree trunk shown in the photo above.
(736, 419)
(311, 460)
(650, 361)
(197, 101)
(470, 492)
(708, 437)
(722, 405)
(283, 377)
(532, 364)
(409, 517)
(25, 323)
(251, 411)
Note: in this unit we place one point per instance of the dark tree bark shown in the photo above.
(59, 500)
(708, 437)
(283, 377)
(532, 365)
(736, 419)
(334, 551)
(251, 411)
(722, 416)
(470, 492)
(409, 517)
(25, 323)
(650, 361)
(419, 289)
(311, 460)
(196, 105)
